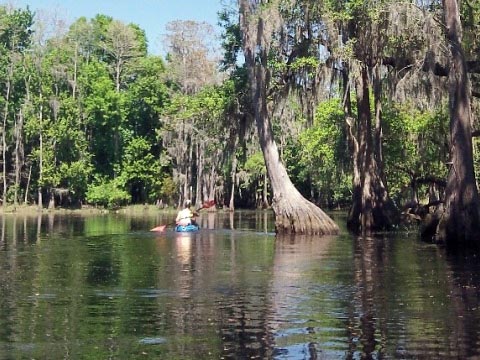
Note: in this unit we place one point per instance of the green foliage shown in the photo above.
(415, 145)
(76, 176)
(206, 106)
(141, 39)
(107, 193)
(476, 156)
(307, 64)
(103, 108)
(470, 13)
(231, 37)
(344, 10)
(252, 176)
(255, 166)
(146, 97)
(322, 157)
(168, 190)
(15, 30)
(140, 171)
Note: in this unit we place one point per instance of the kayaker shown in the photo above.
(186, 216)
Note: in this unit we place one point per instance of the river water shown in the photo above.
(104, 287)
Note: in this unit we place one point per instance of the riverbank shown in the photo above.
(84, 210)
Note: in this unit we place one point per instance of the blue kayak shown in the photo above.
(187, 228)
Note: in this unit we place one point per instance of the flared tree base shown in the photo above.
(299, 216)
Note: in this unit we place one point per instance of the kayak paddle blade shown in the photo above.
(160, 228)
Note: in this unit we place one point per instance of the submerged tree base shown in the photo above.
(302, 217)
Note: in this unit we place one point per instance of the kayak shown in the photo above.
(187, 228)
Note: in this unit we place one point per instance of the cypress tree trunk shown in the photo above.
(293, 213)
(19, 158)
(200, 166)
(459, 225)
(231, 204)
(372, 209)
(40, 160)
(4, 141)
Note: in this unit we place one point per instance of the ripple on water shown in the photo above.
(152, 293)
(39, 296)
(153, 341)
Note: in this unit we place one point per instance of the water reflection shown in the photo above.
(296, 328)
(185, 265)
(105, 287)
(464, 282)
(368, 270)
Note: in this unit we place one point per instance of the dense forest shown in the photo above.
(301, 105)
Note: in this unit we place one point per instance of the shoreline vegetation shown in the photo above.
(84, 210)
(90, 210)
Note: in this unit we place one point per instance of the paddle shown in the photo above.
(206, 205)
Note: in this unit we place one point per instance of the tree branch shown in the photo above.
(473, 67)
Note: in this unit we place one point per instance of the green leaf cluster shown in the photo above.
(415, 144)
(323, 154)
(107, 193)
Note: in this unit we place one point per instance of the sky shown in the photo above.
(150, 15)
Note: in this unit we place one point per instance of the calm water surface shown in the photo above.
(104, 287)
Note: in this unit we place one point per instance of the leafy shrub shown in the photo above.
(107, 194)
